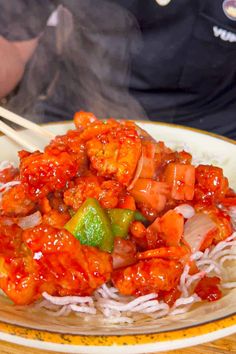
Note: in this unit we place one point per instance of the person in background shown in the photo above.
(164, 60)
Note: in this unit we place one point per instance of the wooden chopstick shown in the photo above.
(13, 134)
(15, 118)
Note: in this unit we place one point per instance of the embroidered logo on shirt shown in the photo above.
(226, 36)
(229, 7)
(163, 2)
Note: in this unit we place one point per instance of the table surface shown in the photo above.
(221, 346)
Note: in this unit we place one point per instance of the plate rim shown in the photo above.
(148, 122)
(216, 329)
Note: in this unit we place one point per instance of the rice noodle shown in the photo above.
(197, 255)
(6, 164)
(110, 292)
(5, 186)
(83, 309)
(182, 304)
(115, 308)
(63, 311)
(67, 300)
(130, 306)
(222, 253)
(204, 262)
(120, 309)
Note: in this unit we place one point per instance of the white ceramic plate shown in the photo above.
(207, 322)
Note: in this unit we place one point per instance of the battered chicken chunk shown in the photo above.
(115, 152)
(16, 202)
(149, 276)
(42, 173)
(48, 259)
(106, 192)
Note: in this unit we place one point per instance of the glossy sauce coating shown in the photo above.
(121, 166)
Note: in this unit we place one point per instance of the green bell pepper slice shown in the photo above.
(91, 226)
(139, 217)
(120, 221)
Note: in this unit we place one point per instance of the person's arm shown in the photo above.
(14, 56)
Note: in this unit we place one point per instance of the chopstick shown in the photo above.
(15, 118)
(16, 137)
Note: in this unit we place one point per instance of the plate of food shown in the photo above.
(117, 234)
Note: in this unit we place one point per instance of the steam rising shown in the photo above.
(82, 63)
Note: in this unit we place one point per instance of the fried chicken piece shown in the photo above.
(211, 185)
(110, 194)
(83, 119)
(86, 187)
(16, 265)
(149, 276)
(42, 173)
(97, 128)
(16, 202)
(8, 174)
(106, 192)
(48, 259)
(63, 159)
(115, 152)
(72, 144)
(68, 266)
(56, 219)
(10, 238)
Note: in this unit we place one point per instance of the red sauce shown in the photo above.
(170, 297)
(8, 174)
(48, 259)
(99, 160)
(207, 289)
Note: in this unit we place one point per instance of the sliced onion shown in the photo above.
(29, 221)
(120, 261)
(4, 220)
(124, 253)
(137, 173)
(196, 230)
(186, 210)
(144, 135)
